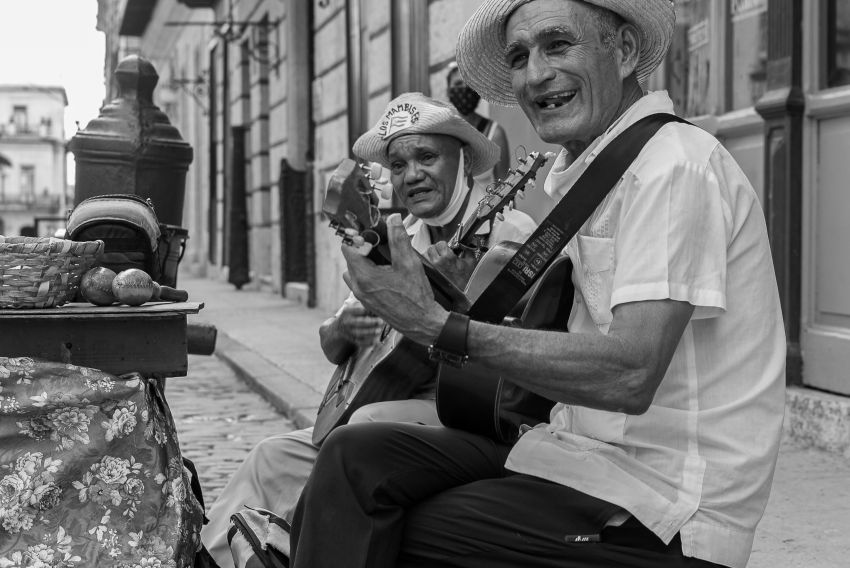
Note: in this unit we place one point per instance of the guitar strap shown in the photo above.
(564, 221)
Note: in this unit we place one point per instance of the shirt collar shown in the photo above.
(566, 171)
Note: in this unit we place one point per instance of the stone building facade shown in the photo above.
(33, 187)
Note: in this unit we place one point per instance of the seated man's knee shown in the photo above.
(342, 438)
(350, 442)
(281, 448)
(369, 413)
(266, 446)
(414, 411)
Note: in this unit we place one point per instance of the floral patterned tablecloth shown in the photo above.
(90, 471)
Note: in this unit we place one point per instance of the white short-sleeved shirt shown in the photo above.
(683, 223)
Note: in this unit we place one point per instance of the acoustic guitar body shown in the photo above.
(391, 369)
(478, 400)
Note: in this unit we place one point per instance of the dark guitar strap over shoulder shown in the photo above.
(564, 221)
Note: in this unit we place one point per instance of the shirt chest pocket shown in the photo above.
(596, 259)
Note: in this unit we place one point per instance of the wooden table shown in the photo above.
(150, 339)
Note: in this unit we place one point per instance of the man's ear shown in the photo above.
(467, 160)
(628, 49)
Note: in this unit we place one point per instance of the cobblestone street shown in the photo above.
(219, 419)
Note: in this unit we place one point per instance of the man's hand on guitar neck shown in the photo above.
(359, 326)
(458, 269)
(398, 293)
(351, 328)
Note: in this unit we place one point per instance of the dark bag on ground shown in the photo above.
(133, 236)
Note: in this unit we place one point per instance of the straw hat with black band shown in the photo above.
(414, 113)
(481, 44)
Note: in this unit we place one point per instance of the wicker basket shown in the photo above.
(43, 272)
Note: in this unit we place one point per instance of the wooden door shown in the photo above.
(826, 325)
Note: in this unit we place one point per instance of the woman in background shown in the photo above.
(465, 100)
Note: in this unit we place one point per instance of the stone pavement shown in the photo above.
(219, 419)
(272, 343)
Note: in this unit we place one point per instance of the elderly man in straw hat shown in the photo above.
(670, 384)
(432, 154)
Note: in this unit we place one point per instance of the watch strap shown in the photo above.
(450, 345)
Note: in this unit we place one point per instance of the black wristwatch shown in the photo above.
(450, 346)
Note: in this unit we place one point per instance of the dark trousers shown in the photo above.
(404, 495)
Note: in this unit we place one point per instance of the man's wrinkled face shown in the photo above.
(566, 79)
(423, 171)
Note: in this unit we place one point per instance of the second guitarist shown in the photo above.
(432, 154)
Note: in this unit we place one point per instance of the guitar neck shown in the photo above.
(465, 232)
(497, 197)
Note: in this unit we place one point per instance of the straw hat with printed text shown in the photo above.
(481, 44)
(414, 113)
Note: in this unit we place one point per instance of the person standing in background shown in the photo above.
(465, 100)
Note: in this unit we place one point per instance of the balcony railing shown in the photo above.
(30, 201)
(29, 130)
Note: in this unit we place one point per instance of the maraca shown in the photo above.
(134, 287)
(96, 286)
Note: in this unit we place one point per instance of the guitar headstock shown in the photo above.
(500, 195)
(350, 201)
(503, 192)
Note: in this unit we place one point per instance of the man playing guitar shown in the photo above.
(432, 154)
(669, 385)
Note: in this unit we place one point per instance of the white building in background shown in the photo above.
(33, 181)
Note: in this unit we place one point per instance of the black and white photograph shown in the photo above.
(424, 283)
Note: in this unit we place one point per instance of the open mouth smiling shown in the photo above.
(548, 102)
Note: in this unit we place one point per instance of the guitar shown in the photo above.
(393, 367)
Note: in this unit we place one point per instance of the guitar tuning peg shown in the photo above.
(530, 184)
(550, 155)
(375, 172)
(379, 177)
(520, 194)
(511, 205)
